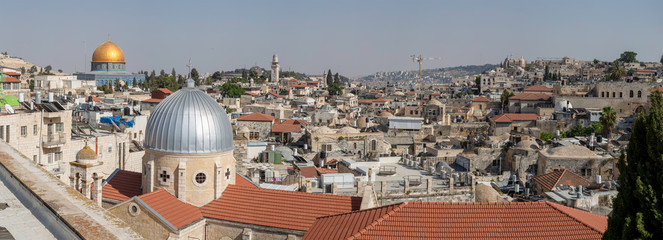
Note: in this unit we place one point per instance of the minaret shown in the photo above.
(275, 69)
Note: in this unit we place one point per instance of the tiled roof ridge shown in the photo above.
(330, 196)
(359, 211)
(563, 211)
(248, 179)
(379, 220)
(559, 178)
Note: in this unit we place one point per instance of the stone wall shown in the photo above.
(465, 194)
(264, 129)
(143, 222)
(219, 229)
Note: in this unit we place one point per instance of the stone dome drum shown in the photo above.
(189, 121)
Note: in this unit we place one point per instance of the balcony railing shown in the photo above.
(54, 140)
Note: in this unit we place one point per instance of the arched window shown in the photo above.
(374, 145)
(639, 94)
(355, 145)
(631, 94)
(613, 95)
(602, 94)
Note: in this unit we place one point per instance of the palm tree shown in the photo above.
(505, 98)
(608, 120)
(617, 71)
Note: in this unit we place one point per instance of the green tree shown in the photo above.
(505, 98)
(162, 73)
(48, 69)
(638, 208)
(195, 76)
(330, 78)
(617, 71)
(134, 83)
(546, 136)
(335, 89)
(173, 73)
(661, 59)
(118, 86)
(231, 90)
(337, 80)
(596, 61)
(477, 82)
(608, 120)
(546, 73)
(628, 57)
(217, 75)
(245, 75)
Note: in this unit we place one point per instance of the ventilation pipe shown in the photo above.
(579, 191)
(598, 179)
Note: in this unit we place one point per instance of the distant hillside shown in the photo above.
(437, 75)
(18, 63)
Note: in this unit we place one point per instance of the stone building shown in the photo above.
(259, 124)
(626, 98)
(347, 139)
(505, 123)
(578, 159)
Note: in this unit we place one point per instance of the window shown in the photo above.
(602, 94)
(374, 145)
(34, 129)
(59, 127)
(254, 135)
(24, 131)
(2, 132)
(326, 147)
(639, 94)
(58, 156)
(613, 94)
(355, 145)
(621, 94)
(200, 178)
(50, 158)
(631, 94)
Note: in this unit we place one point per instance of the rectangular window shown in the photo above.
(58, 156)
(59, 127)
(50, 158)
(24, 131)
(34, 130)
(2, 132)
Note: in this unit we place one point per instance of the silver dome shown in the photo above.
(189, 121)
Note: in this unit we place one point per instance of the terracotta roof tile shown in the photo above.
(538, 88)
(309, 172)
(13, 74)
(510, 117)
(243, 181)
(12, 80)
(380, 100)
(298, 86)
(252, 94)
(275, 95)
(326, 170)
(96, 99)
(286, 128)
(481, 99)
(276, 208)
(654, 89)
(165, 90)
(437, 220)
(256, 117)
(173, 210)
(364, 100)
(122, 185)
(560, 177)
(153, 100)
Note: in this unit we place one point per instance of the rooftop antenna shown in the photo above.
(109, 37)
(188, 65)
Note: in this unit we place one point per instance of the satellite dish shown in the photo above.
(10, 110)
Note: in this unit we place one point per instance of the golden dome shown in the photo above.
(86, 154)
(108, 52)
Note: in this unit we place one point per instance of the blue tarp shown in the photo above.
(117, 120)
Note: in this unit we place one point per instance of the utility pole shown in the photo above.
(420, 60)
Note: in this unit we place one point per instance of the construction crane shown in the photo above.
(420, 60)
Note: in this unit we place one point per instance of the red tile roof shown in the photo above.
(529, 96)
(313, 82)
(510, 117)
(173, 210)
(411, 93)
(96, 99)
(538, 88)
(298, 86)
(654, 89)
(380, 100)
(242, 181)
(252, 94)
(13, 74)
(309, 172)
(277, 208)
(275, 95)
(326, 170)
(364, 100)
(122, 185)
(286, 128)
(12, 80)
(481, 99)
(437, 220)
(165, 90)
(256, 117)
(560, 177)
(153, 100)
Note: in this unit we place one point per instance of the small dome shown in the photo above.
(108, 52)
(385, 114)
(527, 145)
(347, 95)
(399, 93)
(323, 130)
(189, 121)
(244, 129)
(571, 151)
(347, 130)
(361, 122)
(86, 154)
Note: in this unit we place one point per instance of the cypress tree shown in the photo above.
(330, 78)
(638, 208)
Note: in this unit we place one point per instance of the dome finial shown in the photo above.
(190, 83)
(109, 37)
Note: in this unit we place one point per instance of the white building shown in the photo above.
(55, 82)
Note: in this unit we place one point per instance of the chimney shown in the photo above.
(579, 191)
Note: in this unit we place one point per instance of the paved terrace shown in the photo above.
(51, 209)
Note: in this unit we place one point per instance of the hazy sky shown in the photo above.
(351, 37)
